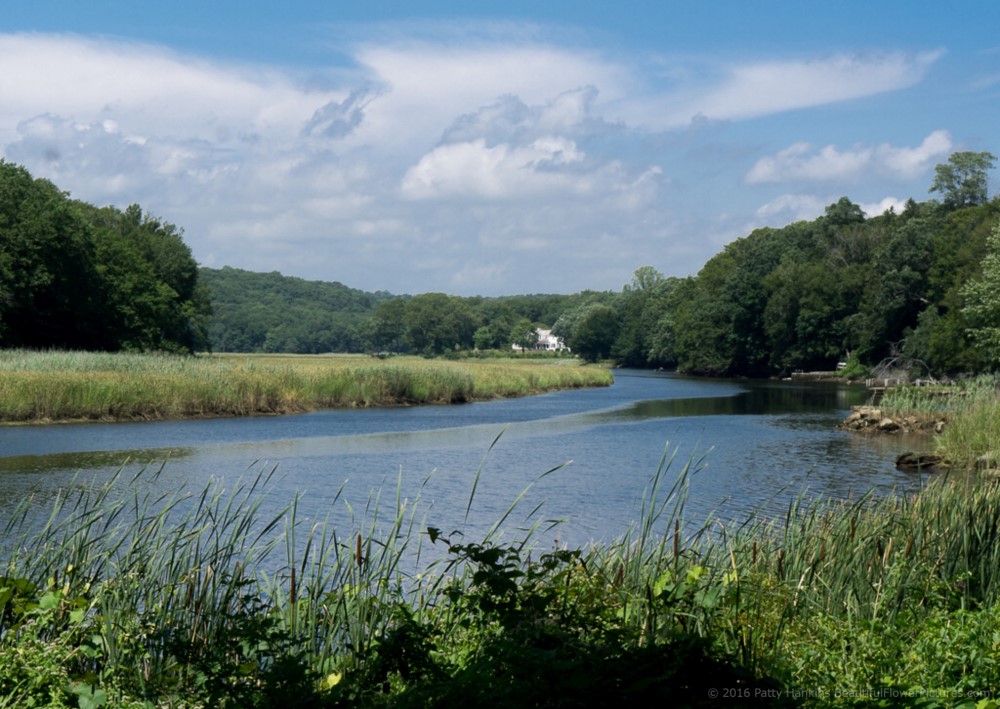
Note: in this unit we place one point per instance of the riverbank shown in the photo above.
(963, 420)
(119, 601)
(49, 387)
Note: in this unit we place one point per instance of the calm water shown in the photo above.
(761, 443)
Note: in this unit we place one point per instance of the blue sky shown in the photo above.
(492, 147)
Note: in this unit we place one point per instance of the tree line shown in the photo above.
(920, 285)
(75, 276)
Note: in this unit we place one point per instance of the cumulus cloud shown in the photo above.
(511, 150)
(789, 208)
(474, 163)
(877, 208)
(800, 161)
(571, 113)
(498, 172)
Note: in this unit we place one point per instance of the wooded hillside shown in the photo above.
(920, 285)
(74, 276)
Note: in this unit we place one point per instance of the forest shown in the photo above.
(919, 287)
(75, 276)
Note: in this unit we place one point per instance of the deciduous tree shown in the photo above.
(963, 181)
(982, 302)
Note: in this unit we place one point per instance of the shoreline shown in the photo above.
(41, 389)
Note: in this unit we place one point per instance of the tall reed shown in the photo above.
(50, 386)
(197, 597)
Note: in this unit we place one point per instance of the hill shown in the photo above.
(269, 312)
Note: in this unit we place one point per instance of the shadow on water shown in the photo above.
(89, 460)
(756, 398)
(768, 441)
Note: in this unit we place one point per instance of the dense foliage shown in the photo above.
(838, 288)
(78, 277)
(269, 312)
(437, 323)
(919, 285)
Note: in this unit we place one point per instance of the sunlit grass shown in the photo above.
(52, 386)
(971, 409)
(973, 432)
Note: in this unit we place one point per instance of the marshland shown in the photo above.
(250, 573)
(283, 530)
(42, 387)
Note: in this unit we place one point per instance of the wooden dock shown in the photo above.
(882, 384)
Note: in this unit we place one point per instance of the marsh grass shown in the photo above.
(198, 599)
(55, 386)
(939, 399)
(972, 434)
(971, 409)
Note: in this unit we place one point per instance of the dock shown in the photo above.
(880, 385)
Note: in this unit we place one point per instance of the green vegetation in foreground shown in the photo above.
(972, 410)
(134, 601)
(52, 386)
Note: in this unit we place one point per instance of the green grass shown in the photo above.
(971, 409)
(38, 387)
(973, 432)
(197, 599)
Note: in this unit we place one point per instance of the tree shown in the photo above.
(640, 307)
(387, 326)
(963, 180)
(77, 277)
(437, 323)
(843, 213)
(982, 302)
(524, 334)
(644, 278)
(47, 266)
(595, 333)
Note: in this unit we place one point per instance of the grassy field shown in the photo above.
(129, 601)
(38, 387)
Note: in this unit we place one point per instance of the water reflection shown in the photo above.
(89, 460)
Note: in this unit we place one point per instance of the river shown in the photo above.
(754, 444)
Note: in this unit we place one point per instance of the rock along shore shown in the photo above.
(871, 419)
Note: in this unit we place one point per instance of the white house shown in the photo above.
(546, 342)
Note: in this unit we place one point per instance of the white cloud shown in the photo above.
(910, 162)
(771, 87)
(499, 172)
(800, 161)
(147, 90)
(878, 208)
(427, 86)
(474, 163)
(739, 91)
(789, 208)
(570, 113)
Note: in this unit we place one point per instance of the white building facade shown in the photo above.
(546, 342)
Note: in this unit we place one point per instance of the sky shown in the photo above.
(492, 148)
